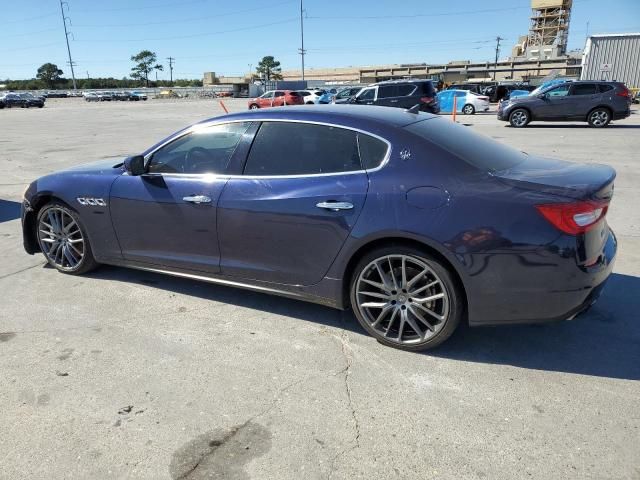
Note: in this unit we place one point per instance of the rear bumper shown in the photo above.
(558, 292)
(621, 115)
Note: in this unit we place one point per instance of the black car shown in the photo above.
(595, 102)
(346, 94)
(32, 100)
(401, 94)
(13, 100)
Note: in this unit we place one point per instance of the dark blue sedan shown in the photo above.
(414, 222)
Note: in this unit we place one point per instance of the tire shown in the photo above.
(468, 109)
(599, 117)
(392, 315)
(40, 106)
(253, 106)
(519, 118)
(75, 242)
(310, 103)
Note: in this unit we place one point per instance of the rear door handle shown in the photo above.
(197, 199)
(335, 206)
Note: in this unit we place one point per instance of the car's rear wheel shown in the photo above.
(468, 109)
(63, 240)
(310, 103)
(599, 117)
(405, 298)
(519, 118)
(253, 106)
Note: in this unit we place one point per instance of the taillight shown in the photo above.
(623, 92)
(483, 98)
(426, 99)
(574, 218)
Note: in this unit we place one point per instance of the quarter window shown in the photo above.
(372, 151)
(405, 90)
(289, 148)
(605, 88)
(204, 151)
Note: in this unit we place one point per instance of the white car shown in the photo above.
(311, 96)
(466, 102)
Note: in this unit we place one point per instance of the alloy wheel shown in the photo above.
(599, 118)
(519, 118)
(468, 110)
(61, 239)
(402, 299)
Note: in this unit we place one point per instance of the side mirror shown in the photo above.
(134, 165)
(542, 96)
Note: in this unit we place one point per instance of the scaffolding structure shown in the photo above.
(550, 24)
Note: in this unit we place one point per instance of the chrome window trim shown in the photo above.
(213, 123)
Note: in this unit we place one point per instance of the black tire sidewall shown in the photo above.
(88, 262)
(473, 110)
(456, 304)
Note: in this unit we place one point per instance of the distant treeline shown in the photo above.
(67, 84)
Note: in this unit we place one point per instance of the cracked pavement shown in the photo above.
(128, 374)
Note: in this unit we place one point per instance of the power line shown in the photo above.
(28, 19)
(184, 20)
(196, 35)
(444, 14)
(66, 37)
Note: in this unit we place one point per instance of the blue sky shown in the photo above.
(225, 37)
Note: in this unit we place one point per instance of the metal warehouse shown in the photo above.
(612, 57)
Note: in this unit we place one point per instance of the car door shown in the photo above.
(266, 100)
(286, 218)
(167, 216)
(366, 96)
(278, 98)
(582, 98)
(387, 96)
(555, 104)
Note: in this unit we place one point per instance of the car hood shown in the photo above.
(109, 166)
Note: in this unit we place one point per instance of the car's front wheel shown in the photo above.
(405, 298)
(519, 118)
(598, 118)
(63, 240)
(253, 106)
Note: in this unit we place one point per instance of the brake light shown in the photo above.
(623, 92)
(574, 218)
(426, 99)
(483, 98)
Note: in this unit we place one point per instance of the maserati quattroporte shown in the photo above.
(412, 221)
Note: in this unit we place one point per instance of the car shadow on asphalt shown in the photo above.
(9, 210)
(581, 126)
(603, 342)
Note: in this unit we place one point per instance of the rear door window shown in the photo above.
(291, 148)
(279, 94)
(584, 89)
(387, 91)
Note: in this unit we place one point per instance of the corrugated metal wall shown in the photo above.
(622, 53)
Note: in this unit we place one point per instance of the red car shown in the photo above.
(276, 98)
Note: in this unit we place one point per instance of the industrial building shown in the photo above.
(612, 57)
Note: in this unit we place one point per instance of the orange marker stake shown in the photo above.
(223, 107)
(455, 107)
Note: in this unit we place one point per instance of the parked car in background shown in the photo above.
(400, 94)
(92, 97)
(276, 98)
(137, 95)
(311, 96)
(11, 99)
(636, 98)
(346, 94)
(56, 94)
(414, 222)
(32, 100)
(595, 102)
(516, 94)
(121, 96)
(466, 101)
(471, 87)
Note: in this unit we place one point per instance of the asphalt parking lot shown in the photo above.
(128, 374)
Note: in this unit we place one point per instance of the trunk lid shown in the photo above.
(574, 180)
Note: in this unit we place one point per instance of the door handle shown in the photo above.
(335, 206)
(197, 199)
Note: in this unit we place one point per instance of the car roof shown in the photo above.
(409, 80)
(345, 115)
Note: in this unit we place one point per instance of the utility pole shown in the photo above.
(301, 49)
(88, 75)
(495, 63)
(66, 37)
(171, 60)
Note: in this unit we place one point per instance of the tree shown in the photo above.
(269, 68)
(145, 64)
(49, 73)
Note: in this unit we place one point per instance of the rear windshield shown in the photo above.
(478, 150)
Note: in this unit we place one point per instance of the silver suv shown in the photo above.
(589, 101)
